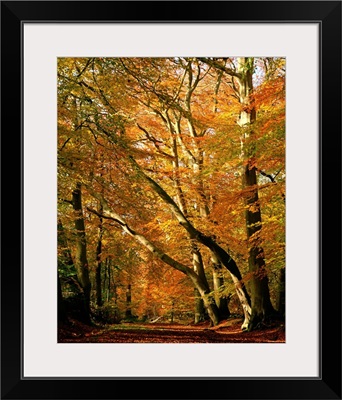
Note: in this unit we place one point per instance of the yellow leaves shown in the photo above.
(184, 136)
(271, 219)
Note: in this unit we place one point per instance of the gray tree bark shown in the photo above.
(261, 302)
(81, 261)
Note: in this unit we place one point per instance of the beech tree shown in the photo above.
(243, 74)
(174, 152)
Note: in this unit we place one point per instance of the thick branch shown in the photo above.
(217, 65)
(157, 143)
(143, 240)
(207, 241)
(270, 177)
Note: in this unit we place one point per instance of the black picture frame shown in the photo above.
(328, 385)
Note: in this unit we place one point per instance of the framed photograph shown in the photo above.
(175, 221)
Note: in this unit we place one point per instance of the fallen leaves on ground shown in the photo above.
(228, 331)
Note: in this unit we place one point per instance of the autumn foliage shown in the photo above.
(156, 147)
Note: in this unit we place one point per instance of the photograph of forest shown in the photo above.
(171, 199)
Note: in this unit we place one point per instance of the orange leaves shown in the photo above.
(178, 120)
(270, 93)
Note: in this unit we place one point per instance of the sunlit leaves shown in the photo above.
(177, 117)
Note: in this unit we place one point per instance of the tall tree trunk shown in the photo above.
(261, 303)
(208, 301)
(199, 307)
(64, 259)
(81, 262)
(281, 294)
(98, 278)
(172, 312)
(218, 281)
(62, 314)
(129, 301)
(64, 256)
(198, 267)
(197, 260)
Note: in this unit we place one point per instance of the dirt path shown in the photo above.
(227, 332)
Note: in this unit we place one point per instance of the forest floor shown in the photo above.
(228, 331)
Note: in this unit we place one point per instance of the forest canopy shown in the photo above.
(171, 189)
